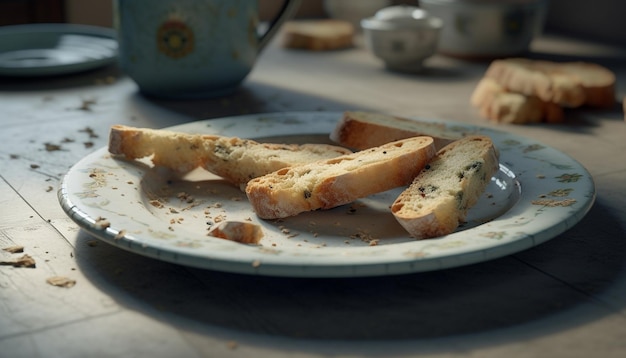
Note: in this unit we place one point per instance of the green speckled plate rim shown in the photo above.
(556, 192)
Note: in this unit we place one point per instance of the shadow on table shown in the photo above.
(103, 76)
(250, 98)
(554, 279)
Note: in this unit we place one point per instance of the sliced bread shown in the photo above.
(439, 197)
(236, 160)
(318, 34)
(501, 106)
(569, 84)
(333, 182)
(361, 130)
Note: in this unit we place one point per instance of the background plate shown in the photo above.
(537, 194)
(54, 49)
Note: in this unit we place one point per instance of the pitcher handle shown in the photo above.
(287, 10)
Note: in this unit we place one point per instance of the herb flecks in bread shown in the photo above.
(439, 197)
(234, 159)
(333, 182)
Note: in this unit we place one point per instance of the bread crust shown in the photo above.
(362, 130)
(439, 197)
(234, 159)
(571, 84)
(330, 183)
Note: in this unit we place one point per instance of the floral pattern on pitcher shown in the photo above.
(175, 38)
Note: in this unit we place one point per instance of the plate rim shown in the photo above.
(263, 265)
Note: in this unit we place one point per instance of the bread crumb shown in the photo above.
(52, 147)
(365, 237)
(90, 132)
(102, 223)
(22, 261)
(86, 104)
(156, 203)
(61, 281)
(256, 263)
(14, 249)
(119, 235)
(232, 344)
(177, 220)
(242, 232)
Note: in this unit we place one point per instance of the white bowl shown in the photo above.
(402, 36)
(487, 28)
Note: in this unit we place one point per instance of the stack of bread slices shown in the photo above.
(443, 172)
(520, 90)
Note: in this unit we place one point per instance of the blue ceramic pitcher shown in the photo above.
(191, 48)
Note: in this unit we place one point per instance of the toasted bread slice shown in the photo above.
(333, 182)
(362, 130)
(569, 84)
(498, 105)
(439, 197)
(236, 160)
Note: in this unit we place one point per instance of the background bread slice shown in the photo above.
(329, 183)
(597, 81)
(438, 198)
(362, 130)
(236, 160)
(570, 84)
(498, 105)
(318, 35)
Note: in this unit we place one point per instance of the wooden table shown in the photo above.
(564, 298)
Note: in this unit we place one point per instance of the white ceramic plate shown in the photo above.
(54, 49)
(538, 193)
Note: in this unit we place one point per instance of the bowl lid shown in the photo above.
(401, 16)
